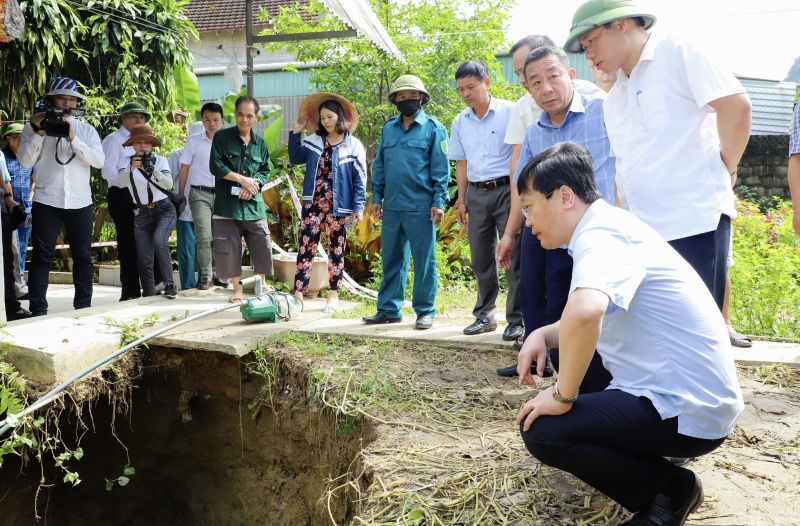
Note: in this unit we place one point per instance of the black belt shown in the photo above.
(494, 183)
(210, 189)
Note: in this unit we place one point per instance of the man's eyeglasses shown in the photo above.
(525, 208)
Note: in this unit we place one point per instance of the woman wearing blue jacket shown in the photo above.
(334, 187)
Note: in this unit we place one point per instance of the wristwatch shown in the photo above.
(558, 398)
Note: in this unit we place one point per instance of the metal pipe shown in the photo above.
(257, 279)
(43, 401)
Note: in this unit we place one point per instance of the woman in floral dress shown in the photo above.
(334, 186)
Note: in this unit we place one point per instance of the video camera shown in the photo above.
(54, 124)
(148, 162)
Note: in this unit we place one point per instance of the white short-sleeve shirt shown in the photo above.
(663, 336)
(197, 153)
(664, 136)
(526, 112)
(175, 168)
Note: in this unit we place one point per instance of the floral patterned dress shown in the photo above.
(315, 214)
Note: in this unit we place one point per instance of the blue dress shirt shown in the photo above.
(480, 141)
(583, 124)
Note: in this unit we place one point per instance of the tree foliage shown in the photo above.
(127, 47)
(434, 36)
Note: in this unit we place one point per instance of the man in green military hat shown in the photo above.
(409, 192)
(120, 200)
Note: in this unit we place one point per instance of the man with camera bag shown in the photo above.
(62, 151)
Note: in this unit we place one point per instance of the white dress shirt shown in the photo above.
(112, 147)
(663, 336)
(664, 136)
(62, 186)
(197, 153)
(161, 176)
(526, 112)
(175, 168)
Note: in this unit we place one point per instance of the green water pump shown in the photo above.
(266, 306)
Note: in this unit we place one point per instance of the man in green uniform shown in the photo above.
(409, 192)
(240, 165)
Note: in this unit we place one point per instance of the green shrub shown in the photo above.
(765, 279)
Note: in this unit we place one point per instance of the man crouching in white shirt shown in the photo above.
(62, 173)
(635, 301)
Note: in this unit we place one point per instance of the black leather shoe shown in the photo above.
(659, 512)
(14, 316)
(36, 313)
(514, 331)
(424, 322)
(479, 327)
(381, 318)
(510, 372)
(219, 283)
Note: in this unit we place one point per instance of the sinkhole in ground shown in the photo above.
(200, 455)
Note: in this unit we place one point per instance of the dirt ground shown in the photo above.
(448, 451)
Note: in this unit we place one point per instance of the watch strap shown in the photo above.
(558, 398)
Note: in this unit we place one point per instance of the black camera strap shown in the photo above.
(74, 153)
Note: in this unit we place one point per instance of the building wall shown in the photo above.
(764, 166)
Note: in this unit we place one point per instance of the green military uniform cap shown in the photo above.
(15, 127)
(409, 82)
(595, 13)
(134, 107)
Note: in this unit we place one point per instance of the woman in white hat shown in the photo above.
(334, 187)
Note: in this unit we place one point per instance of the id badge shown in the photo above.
(236, 190)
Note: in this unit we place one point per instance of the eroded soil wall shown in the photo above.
(200, 456)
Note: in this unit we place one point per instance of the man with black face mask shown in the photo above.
(409, 192)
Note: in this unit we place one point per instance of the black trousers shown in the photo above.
(616, 442)
(120, 206)
(707, 253)
(11, 302)
(78, 223)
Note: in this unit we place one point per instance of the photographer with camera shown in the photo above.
(62, 151)
(148, 177)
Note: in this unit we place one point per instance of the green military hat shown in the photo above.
(134, 107)
(595, 13)
(409, 82)
(15, 127)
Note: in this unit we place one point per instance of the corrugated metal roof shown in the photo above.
(576, 60)
(358, 15)
(265, 84)
(773, 103)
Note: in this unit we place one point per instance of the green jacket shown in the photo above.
(228, 154)
(411, 170)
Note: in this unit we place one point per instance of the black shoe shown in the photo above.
(479, 327)
(679, 461)
(381, 318)
(219, 283)
(510, 372)
(170, 291)
(518, 344)
(659, 512)
(514, 331)
(424, 321)
(36, 313)
(24, 315)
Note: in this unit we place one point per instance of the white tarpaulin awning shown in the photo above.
(358, 15)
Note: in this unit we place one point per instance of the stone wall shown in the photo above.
(763, 166)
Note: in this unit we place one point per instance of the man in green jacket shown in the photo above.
(240, 165)
(409, 192)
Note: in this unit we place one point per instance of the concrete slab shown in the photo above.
(52, 348)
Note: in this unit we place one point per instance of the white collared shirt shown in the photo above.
(664, 136)
(140, 182)
(115, 152)
(62, 186)
(526, 112)
(174, 168)
(663, 336)
(197, 153)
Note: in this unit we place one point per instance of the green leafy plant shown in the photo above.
(121, 480)
(130, 330)
(266, 367)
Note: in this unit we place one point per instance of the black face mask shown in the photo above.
(408, 107)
